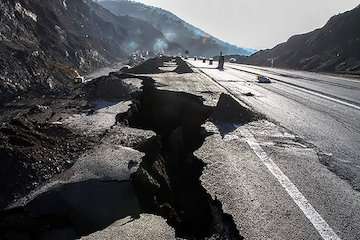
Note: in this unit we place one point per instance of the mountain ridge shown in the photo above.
(197, 41)
(45, 44)
(335, 47)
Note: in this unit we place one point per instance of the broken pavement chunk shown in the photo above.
(228, 110)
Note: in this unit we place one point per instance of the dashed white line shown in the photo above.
(322, 227)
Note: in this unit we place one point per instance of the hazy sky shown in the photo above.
(255, 23)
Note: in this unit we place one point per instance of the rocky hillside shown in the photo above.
(174, 29)
(44, 44)
(333, 48)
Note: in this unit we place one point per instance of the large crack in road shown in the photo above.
(167, 182)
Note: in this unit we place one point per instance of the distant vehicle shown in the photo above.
(232, 60)
(79, 79)
(195, 58)
(263, 79)
(204, 60)
(125, 68)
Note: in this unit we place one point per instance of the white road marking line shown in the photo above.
(323, 228)
(308, 91)
(296, 73)
(324, 96)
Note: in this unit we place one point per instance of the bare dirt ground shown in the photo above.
(35, 145)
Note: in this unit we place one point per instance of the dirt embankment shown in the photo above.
(35, 144)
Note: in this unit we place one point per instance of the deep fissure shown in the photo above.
(167, 182)
(168, 179)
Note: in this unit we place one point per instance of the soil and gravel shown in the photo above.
(45, 44)
(35, 142)
(35, 146)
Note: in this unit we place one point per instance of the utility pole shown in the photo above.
(221, 62)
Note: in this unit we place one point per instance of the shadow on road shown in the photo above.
(72, 210)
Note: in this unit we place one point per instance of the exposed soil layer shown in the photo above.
(34, 146)
(45, 44)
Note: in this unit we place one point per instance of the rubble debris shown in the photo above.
(69, 210)
(32, 153)
(150, 66)
(182, 66)
(35, 145)
(110, 88)
(228, 110)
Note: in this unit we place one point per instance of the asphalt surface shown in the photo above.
(97, 187)
(283, 178)
(104, 71)
(271, 181)
(322, 109)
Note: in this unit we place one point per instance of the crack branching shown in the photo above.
(168, 179)
(167, 182)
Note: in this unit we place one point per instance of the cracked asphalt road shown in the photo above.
(263, 206)
(322, 109)
(266, 175)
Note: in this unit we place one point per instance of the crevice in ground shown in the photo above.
(167, 182)
(168, 179)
